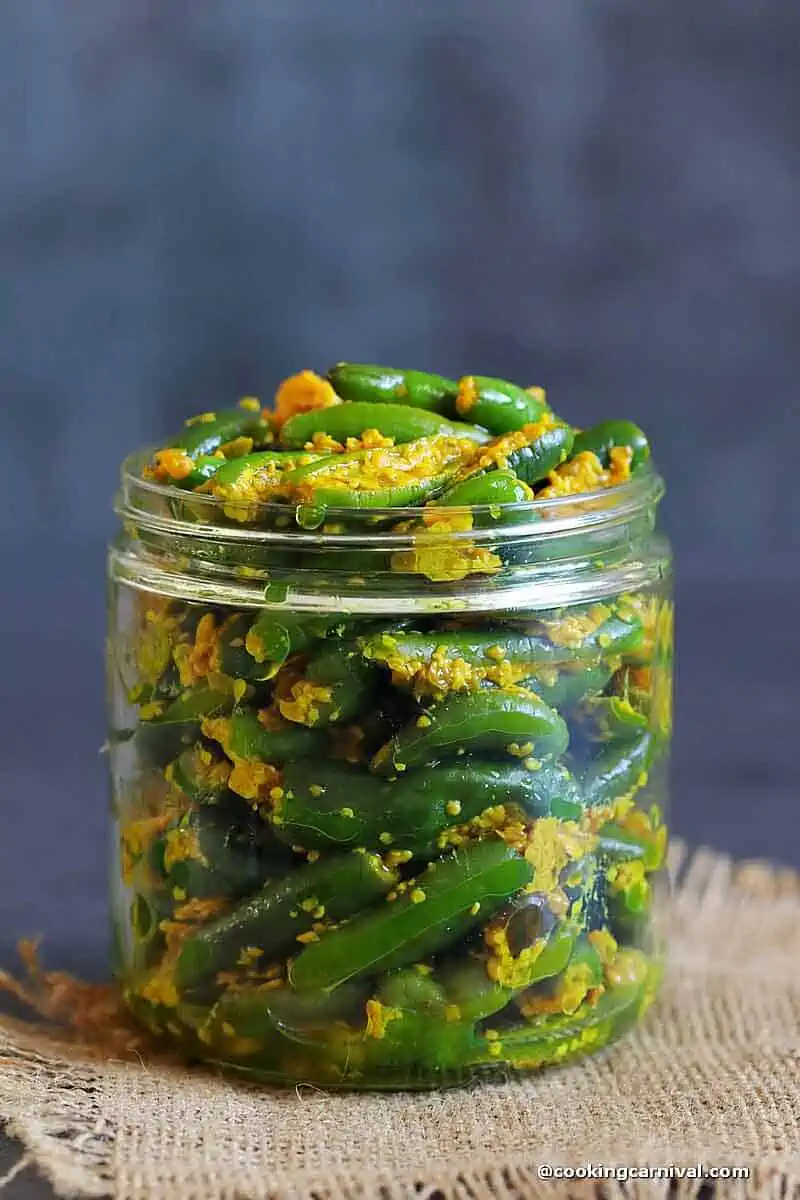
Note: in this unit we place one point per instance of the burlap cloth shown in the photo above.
(712, 1077)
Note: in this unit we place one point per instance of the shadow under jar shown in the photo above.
(389, 795)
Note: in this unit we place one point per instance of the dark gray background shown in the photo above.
(197, 199)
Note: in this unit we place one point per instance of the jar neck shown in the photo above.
(540, 554)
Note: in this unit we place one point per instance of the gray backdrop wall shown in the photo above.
(601, 197)
(197, 199)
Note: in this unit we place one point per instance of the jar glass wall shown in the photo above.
(387, 818)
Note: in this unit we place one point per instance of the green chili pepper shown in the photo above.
(200, 774)
(617, 771)
(604, 719)
(409, 652)
(406, 475)
(629, 885)
(163, 736)
(192, 705)
(602, 438)
(235, 659)
(395, 1047)
(201, 437)
(585, 955)
(146, 913)
(357, 741)
(302, 1012)
(209, 852)
(599, 629)
(499, 406)
(262, 1012)
(411, 989)
(236, 474)
(326, 805)
(411, 1042)
(371, 384)
(616, 842)
(470, 991)
(573, 682)
(546, 451)
(274, 918)
(544, 789)
(476, 995)
(334, 686)
(273, 636)
(557, 952)
(402, 422)
(204, 467)
(240, 1025)
(580, 973)
(245, 484)
(485, 488)
(331, 566)
(488, 720)
(560, 1038)
(244, 736)
(629, 917)
(451, 896)
(530, 453)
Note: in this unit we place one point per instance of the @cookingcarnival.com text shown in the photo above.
(621, 1172)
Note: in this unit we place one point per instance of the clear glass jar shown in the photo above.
(389, 796)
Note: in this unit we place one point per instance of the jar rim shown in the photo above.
(156, 505)
(589, 546)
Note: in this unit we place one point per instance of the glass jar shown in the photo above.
(389, 794)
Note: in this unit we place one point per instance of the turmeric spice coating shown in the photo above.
(375, 852)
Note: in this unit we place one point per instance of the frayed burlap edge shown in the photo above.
(735, 935)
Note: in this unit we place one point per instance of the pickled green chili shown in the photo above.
(212, 431)
(514, 723)
(443, 903)
(188, 460)
(387, 477)
(602, 438)
(391, 851)
(284, 913)
(323, 806)
(400, 422)
(499, 406)
(371, 385)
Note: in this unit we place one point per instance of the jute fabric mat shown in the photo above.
(711, 1078)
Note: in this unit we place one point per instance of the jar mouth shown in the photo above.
(386, 561)
(162, 508)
